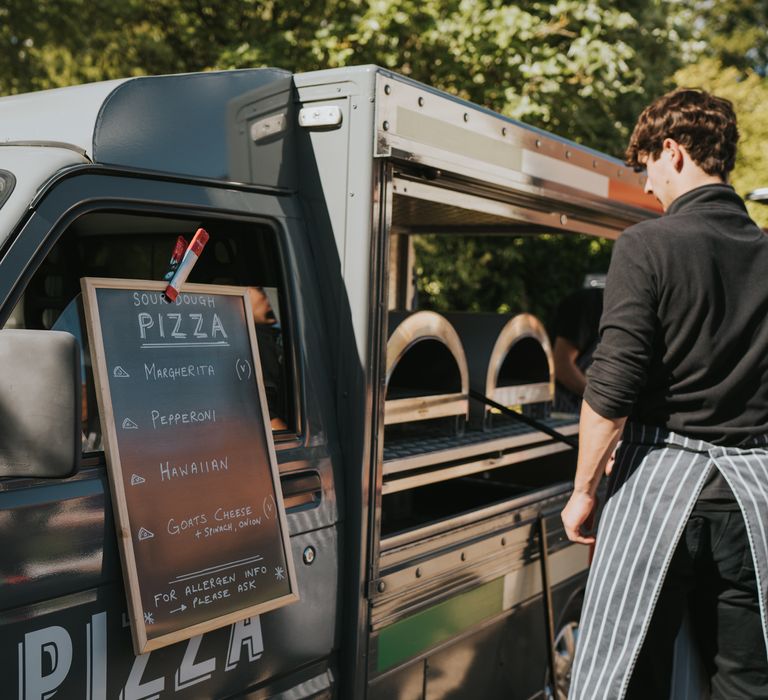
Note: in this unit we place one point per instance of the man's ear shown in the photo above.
(675, 152)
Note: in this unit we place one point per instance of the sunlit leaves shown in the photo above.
(749, 93)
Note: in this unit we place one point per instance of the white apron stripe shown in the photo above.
(624, 505)
(630, 653)
(614, 509)
(761, 566)
(655, 485)
(639, 547)
(607, 522)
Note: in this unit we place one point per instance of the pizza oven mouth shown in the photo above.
(510, 361)
(426, 370)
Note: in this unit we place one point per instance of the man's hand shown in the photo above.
(598, 437)
(578, 513)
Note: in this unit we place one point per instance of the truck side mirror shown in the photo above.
(40, 403)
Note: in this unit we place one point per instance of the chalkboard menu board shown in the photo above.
(199, 513)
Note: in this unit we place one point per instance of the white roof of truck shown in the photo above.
(65, 115)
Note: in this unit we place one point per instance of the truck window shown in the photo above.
(124, 245)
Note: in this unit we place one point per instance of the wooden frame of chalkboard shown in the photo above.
(200, 519)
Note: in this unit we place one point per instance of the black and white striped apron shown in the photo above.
(656, 480)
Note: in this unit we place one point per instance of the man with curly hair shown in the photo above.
(681, 376)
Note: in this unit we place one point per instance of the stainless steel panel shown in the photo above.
(425, 408)
(403, 546)
(462, 205)
(434, 449)
(523, 394)
(423, 126)
(442, 577)
(473, 467)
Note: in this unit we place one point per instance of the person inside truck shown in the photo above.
(681, 375)
(268, 338)
(576, 334)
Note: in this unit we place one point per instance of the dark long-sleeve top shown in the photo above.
(684, 330)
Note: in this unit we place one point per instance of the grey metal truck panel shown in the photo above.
(337, 177)
(79, 645)
(190, 122)
(40, 414)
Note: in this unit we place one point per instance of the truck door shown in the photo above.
(62, 604)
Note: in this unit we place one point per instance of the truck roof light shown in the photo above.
(268, 127)
(320, 116)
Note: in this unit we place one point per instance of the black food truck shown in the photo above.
(417, 551)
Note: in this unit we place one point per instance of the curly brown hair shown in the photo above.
(703, 124)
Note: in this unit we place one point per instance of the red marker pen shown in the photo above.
(187, 263)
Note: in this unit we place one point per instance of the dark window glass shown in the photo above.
(139, 247)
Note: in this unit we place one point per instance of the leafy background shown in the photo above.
(580, 68)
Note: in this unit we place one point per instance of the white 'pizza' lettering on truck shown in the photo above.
(47, 656)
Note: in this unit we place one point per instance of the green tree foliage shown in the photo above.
(54, 43)
(749, 93)
(735, 32)
(578, 67)
(505, 274)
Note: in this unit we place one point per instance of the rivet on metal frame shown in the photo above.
(309, 555)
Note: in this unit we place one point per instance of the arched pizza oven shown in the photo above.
(510, 360)
(427, 375)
